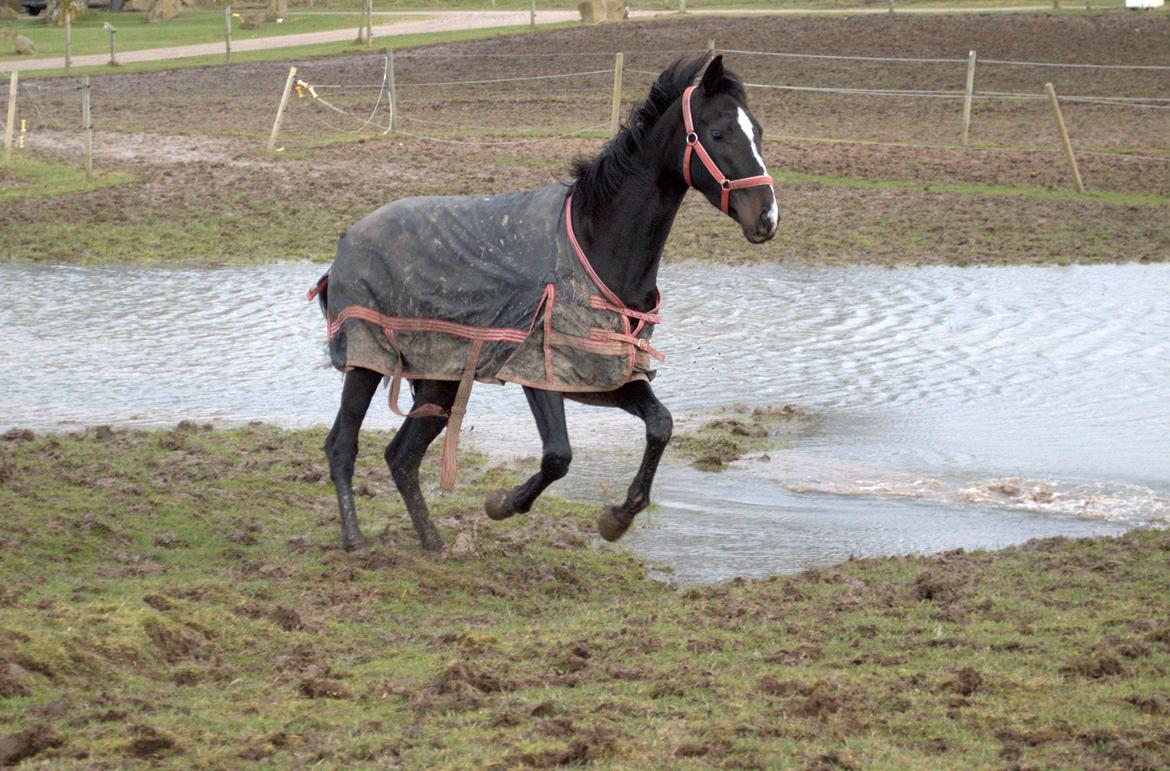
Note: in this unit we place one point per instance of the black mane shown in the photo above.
(598, 178)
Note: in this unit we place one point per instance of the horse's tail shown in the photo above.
(321, 291)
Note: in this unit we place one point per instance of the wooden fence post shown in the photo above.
(68, 40)
(393, 90)
(10, 125)
(532, 13)
(87, 125)
(968, 95)
(711, 47)
(616, 106)
(1068, 150)
(369, 22)
(113, 45)
(292, 74)
(227, 32)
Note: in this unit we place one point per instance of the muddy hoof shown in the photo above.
(429, 537)
(359, 544)
(493, 504)
(610, 525)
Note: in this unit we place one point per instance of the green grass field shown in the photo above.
(178, 597)
(296, 52)
(135, 31)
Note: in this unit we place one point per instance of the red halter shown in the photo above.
(694, 145)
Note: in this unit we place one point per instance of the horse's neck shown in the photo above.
(624, 237)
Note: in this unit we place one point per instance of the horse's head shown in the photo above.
(722, 158)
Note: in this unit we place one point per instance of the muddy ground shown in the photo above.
(206, 193)
(177, 597)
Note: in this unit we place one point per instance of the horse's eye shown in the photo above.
(716, 134)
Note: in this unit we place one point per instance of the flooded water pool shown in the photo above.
(953, 407)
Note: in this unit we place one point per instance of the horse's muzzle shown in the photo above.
(756, 212)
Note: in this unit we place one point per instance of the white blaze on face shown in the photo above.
(745, 125)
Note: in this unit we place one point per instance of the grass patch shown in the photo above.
(295, 53)
(245, 232)
(737, 432)
(178, 596)
(135, 32)
(29, 177)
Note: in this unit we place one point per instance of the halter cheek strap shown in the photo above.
(695, 146)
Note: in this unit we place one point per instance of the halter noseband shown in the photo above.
(694, 145)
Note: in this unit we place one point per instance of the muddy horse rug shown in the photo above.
(493, 289)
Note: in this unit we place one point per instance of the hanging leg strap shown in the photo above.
(421, 411)
(455, 422)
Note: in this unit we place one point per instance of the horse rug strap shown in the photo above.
(488, 288)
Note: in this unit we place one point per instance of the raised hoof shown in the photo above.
(610, 526)
(493, 505)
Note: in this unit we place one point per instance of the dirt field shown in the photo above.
(207, 194)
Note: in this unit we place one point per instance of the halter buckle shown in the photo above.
(725, 184)
(692, 138)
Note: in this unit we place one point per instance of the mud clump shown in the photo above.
(966, 681)
(19, 435)
(158, 602)
(590, 745)
(9, 685)
(460, 677)
(174, 644)
(1150, 705)
(708, 463)
(169, 540)
(543, 709)
(818, 704)
(288, 619)
(151, 743)
(28, 743)
(1096, 666)
(693, 750)
(934, 587)
(833, 761)
(738, 427)
(323, 688)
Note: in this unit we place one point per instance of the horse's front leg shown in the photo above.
(548, 407)
(636, 398)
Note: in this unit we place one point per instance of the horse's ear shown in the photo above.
(713, 75)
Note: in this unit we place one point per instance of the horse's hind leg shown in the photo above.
(341, 447)
(638, 399)
(405, 452)
(548, 407)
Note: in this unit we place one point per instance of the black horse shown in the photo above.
(473, 287)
